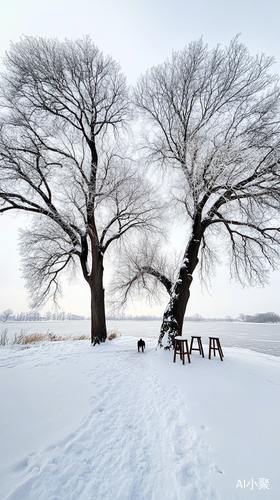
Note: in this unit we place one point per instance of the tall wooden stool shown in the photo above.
(181, 349)
(199, 348)
(214, 345)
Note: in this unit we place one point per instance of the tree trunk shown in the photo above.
(172, 323)
(94, 277)
(98, 320)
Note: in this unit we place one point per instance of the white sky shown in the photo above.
(140, 34)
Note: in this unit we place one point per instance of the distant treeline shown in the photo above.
(8, 315)
(268, 317)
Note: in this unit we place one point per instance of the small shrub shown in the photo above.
(4, 337)
(51, 336)
(19, 338)
(55, 338)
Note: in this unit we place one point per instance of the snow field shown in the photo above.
(133, 443)
(111, 423)
(237, 404)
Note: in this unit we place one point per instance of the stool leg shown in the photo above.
(182, 351)
(200, 347)
(220, 350)
(214, 346)
(210, 341)
(191, 345)
(188, 354)
(175, 346)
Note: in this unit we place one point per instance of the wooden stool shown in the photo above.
(212, 342)
(179, 348)
(199, 348)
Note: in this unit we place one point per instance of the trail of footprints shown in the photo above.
(122, 451)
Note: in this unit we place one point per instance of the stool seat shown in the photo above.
(215, 345)
(199, 343)
(181, 347)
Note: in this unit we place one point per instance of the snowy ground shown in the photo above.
(107, 422)
(257, 337)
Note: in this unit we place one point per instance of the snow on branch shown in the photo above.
(142, 268)
(212, 123)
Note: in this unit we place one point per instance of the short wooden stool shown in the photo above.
(199, 348)
(214, 345)
(179, 348)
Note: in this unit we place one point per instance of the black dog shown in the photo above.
(140, 344)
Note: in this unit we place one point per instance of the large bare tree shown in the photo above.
(212, 124)
(63, 108)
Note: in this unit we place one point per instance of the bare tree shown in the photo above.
(63, 107)
(48, 315)
(6, 314)
(143, 266)
(212, 124)
(268, 317)
(20, 316)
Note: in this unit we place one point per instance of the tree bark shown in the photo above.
(172, 322)
(94, 277)
(173, 318)
(98, 321)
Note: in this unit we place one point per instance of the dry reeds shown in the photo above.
(112, 334)
(33, 337)
(23, 339)
(81, 337)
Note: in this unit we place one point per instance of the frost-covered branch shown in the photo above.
(142, 266)
(211, 121)
(64, 115)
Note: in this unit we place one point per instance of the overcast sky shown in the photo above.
(140, 34)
